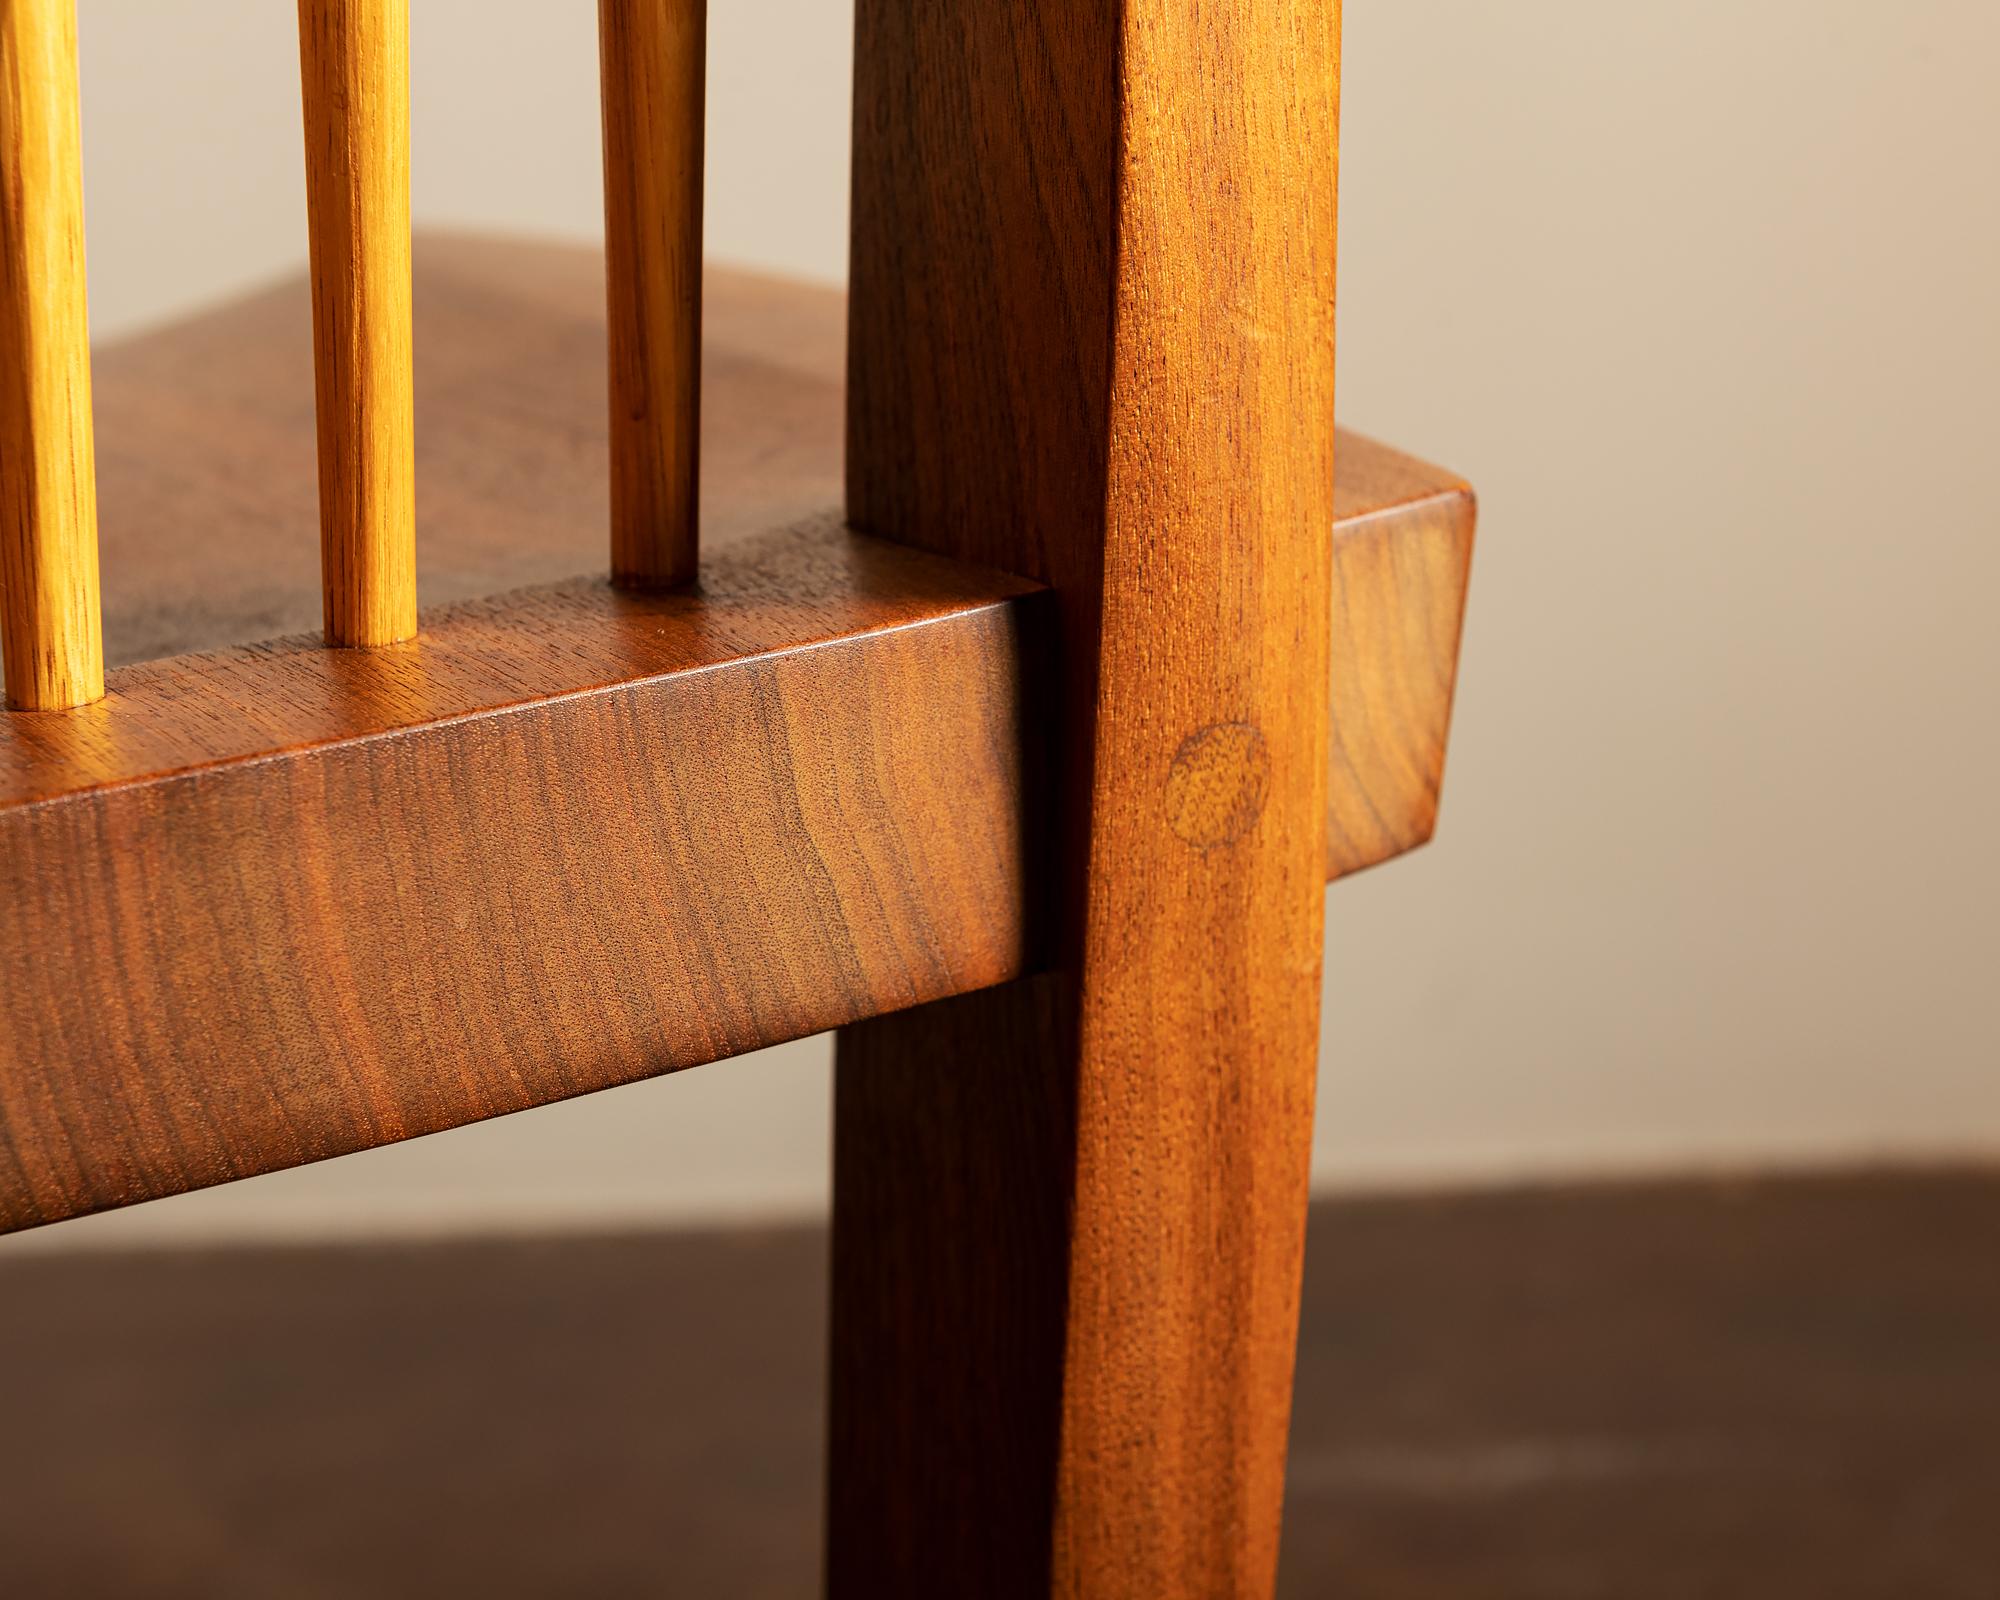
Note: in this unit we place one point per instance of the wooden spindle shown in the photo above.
(654, 59)
(355, 65)
(51, 624)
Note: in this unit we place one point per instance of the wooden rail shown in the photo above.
(654, 57)
(355, 68)
(51, 627)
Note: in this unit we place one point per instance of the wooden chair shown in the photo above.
(1016, 770)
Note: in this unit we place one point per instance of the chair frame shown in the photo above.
(1024, 771)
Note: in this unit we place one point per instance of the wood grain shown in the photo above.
(50, 624)
(1092, 324)
(210, 525)
(1399, 588)
(206, 439)
(654, 56)
(355, 67)
(280, 902)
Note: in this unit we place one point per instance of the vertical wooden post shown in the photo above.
(654, 58)
(355, 66)
(1092, 340)
(51, 622)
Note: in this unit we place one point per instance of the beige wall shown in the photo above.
(1706, 300)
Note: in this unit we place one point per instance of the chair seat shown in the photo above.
(267, 902)
(207, 475)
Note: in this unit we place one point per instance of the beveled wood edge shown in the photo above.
(792, 588)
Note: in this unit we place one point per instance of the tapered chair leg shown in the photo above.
(1092, 341)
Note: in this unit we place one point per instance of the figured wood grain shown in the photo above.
(210, 520)
(280, 902)
(210, 525)
(1399, 589)
(355, 68)
(50, 625)
(1092, 325)
(654, 56)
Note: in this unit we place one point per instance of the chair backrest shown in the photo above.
(355, 76)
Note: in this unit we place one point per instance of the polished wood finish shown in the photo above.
(355, 60)
(210, 519)
(577, 837)
(1092, 326)
(50, 628)
(654, 65)
(209, 529)
(206, 457)
(1399, 582)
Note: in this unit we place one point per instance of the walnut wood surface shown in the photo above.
(206, 452)
(517, 712)
(1092, 326)
(568, 839)
(205, 469)
(1734, 1389)
(654, 57)
(51, 639)
(355, 67)
(1399, 588)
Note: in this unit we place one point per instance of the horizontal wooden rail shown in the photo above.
(51, 628)
(355, 67)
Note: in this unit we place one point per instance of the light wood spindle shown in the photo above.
(355, 65)
(51, 624)
(654, 58)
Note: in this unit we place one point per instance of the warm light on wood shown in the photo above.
(355, 62)
(50, 624)
(654, 55)
(1092, 342)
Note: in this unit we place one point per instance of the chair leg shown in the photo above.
(1092, 341)
(1024, 1406)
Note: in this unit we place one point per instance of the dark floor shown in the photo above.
(1769, 1390)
